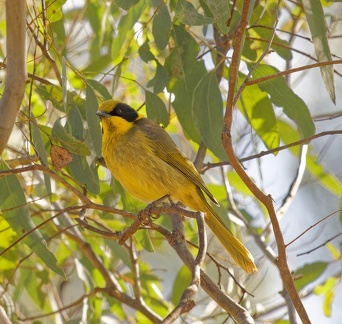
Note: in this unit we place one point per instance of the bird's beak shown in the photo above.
(102, 114)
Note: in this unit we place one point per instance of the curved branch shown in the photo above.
(16, 68)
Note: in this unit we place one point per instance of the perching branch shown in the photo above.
(186, 302)
(16, 68)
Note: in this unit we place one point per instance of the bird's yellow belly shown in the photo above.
(144, 175)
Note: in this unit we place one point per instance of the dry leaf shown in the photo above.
(60, 157)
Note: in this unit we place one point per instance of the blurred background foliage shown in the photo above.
(171, 60)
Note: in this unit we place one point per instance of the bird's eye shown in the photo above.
(118, 111)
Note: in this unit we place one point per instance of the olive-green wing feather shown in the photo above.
(166, 149)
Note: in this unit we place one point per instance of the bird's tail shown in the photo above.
(234, 247)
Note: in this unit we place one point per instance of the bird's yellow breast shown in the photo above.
(131, 158)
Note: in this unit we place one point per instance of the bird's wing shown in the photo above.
(166, 149)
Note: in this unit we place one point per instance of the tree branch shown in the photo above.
(265, 199)
(16, 68)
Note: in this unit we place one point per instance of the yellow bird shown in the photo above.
(148, 164)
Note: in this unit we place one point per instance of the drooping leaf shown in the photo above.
(308, 273)
(15, 210)
(41, 150)
(95, 135)
(207, 110)
(156, 109)
(185, 71)
(188, 15)
(68, 141)
(182, 281)
(145, 52)
(221, 12)
(160, 79)
(85, 174)
(144, 239)
(126, 4)
(55, 95)
(283, 96)
(54, 10)
(161, 27)
(255, 105)
(316, 21)
(125, 31)
(100, 88)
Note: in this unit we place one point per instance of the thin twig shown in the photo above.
(306, 140)
(321, 245)
(312, 226)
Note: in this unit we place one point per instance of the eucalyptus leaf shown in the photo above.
(14, 209)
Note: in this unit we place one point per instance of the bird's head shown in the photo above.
(115, 108)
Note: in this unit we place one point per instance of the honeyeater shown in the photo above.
(148, 164)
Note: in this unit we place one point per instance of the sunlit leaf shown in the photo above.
(328, 290)
(144, 239)
(283, 96)
(221, 12)
(15, 210)
(182, 281)
(308, 273)
(257, 109)
(188, 15)
(335, 253)
(316, 21)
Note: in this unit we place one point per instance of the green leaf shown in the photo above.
(126, 4)
(328, 290)
(55, 95)
(325, 178)
(283, 96)
(221, 12)
(144, 239)
(125, 31)
(308, 273)
(316, 21)
(100, 88)
(54, 10)
(182, 281)
(188, 15)
(185, 71)
(85, 174)
(68, 141)
(335, 253)
(257, 109)
(207, 111)
(93, 122)
(155, 108)
(15, 210)
(160, 79)
(145, 53)
(41, 151)
(161, 27)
